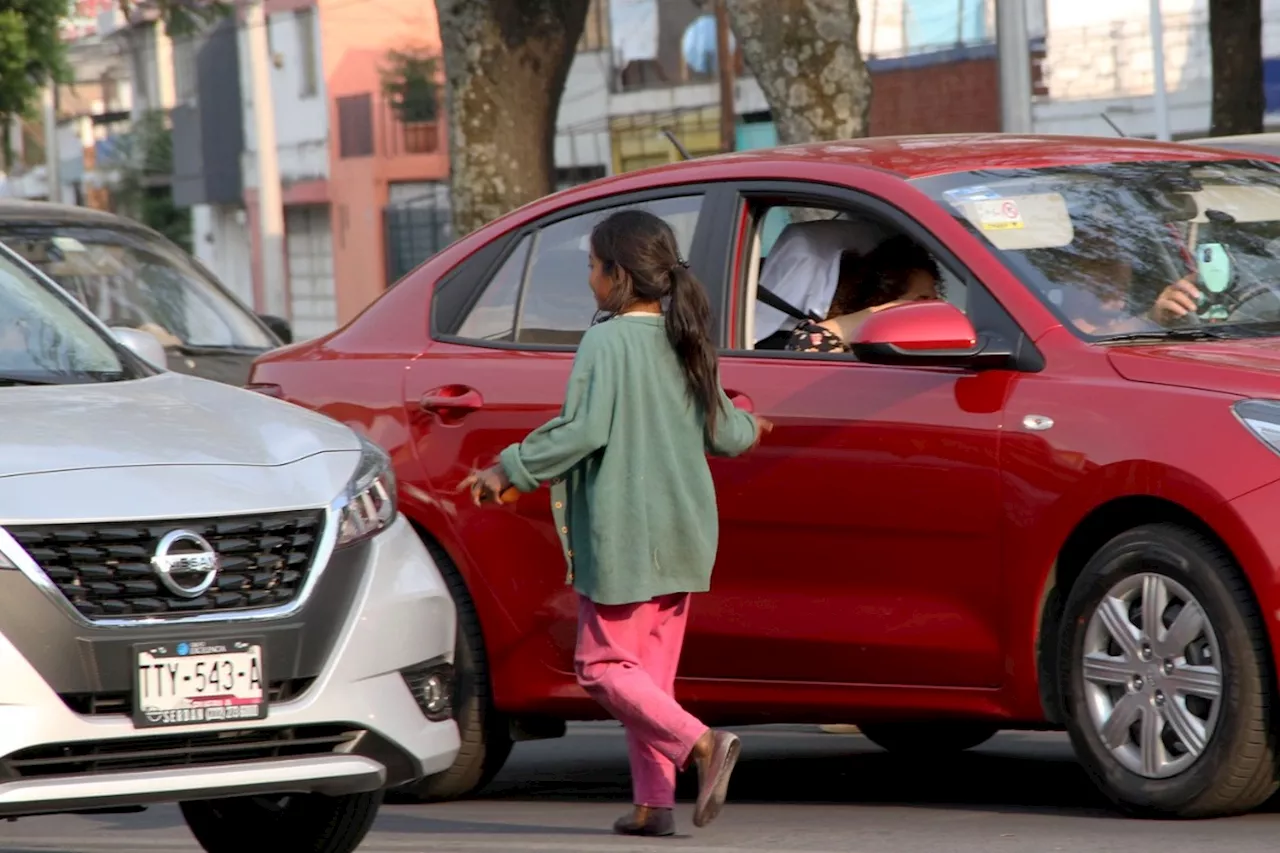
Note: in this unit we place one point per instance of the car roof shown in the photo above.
(903, 157)
(921, 156)
(47, 213)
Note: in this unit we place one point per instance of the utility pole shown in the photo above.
(724, 64)
(1163, 131)
(1014, 48)
(270, 205)
(52, 165)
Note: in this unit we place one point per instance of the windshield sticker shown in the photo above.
(978, 193)
(1036, 221)
(999, 215)
(69, 244)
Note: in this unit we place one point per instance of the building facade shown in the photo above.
(1100, 76)
(348, 151)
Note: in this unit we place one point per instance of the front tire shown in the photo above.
(1173, 721)
(307, 823)
(928, 738)
(485, 733)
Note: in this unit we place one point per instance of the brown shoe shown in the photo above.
(713, 777)
(647, 822)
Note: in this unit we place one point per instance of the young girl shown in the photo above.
(643, 408)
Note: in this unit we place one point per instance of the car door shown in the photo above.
(498, 369)
(860, 543)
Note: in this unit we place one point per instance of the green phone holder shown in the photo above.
(1214, 267)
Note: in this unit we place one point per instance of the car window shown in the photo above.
(44, 340)
(557, 306)
(493, 318)
(797, 258)
(130, 278)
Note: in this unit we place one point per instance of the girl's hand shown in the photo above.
(489, 486)
(764, 426)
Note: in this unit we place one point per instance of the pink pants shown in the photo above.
(626, 660)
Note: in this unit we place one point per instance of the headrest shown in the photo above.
(803, 267)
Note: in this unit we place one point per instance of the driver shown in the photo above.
(1099, 302)
(1099, 288)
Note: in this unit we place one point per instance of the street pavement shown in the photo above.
(797, 790)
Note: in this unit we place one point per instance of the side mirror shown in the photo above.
(279, 326)
(925, 333)
(144, 345)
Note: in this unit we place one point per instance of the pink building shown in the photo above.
(364, 174)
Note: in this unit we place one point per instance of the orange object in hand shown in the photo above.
(509, 495)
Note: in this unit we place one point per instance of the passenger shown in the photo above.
(898, 271)
(803, 269)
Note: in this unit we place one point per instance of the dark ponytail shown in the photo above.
(643, 246)
(689, 330)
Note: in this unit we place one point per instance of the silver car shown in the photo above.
(207, 596)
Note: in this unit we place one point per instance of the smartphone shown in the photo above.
(1214, 268)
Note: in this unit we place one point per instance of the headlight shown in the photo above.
(1262, 417)
(368, 504)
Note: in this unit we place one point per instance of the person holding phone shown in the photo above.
(1097, 286)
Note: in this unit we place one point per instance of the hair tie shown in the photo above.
(680, 263)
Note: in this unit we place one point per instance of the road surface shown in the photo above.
(797, 790)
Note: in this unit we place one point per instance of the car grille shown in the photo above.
(98, 704)
(166, 751)
(105, 571)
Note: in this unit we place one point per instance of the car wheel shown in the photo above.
(1164, 673)
(928, 738)
(306, 823)
(485, 733)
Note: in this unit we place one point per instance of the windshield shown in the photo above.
(44, 340)
(131, 279)
(1125, 250)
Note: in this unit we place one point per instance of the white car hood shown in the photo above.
(164, 420)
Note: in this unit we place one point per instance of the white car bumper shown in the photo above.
(356, 727)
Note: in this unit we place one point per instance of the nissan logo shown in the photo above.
(197, 561)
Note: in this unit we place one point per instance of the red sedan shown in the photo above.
(1049, 500)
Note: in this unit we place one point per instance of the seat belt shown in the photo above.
(777, 303)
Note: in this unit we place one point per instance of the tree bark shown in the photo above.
(505, 62)
(1235, 37)
(805, 56)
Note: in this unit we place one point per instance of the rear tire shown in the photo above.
(306, 823)
(928, 738)
(1175, 723)
(485, 733)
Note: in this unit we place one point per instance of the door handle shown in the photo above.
(741, 401)
(457, 398)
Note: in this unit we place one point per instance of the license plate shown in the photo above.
(205, 681)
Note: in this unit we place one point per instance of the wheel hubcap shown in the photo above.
(1152, 675)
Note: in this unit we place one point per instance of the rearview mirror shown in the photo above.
(933, 332)
(144, 345)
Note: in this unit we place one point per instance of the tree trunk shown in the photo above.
(506, 62)
(1235, 37)
(805, 56)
